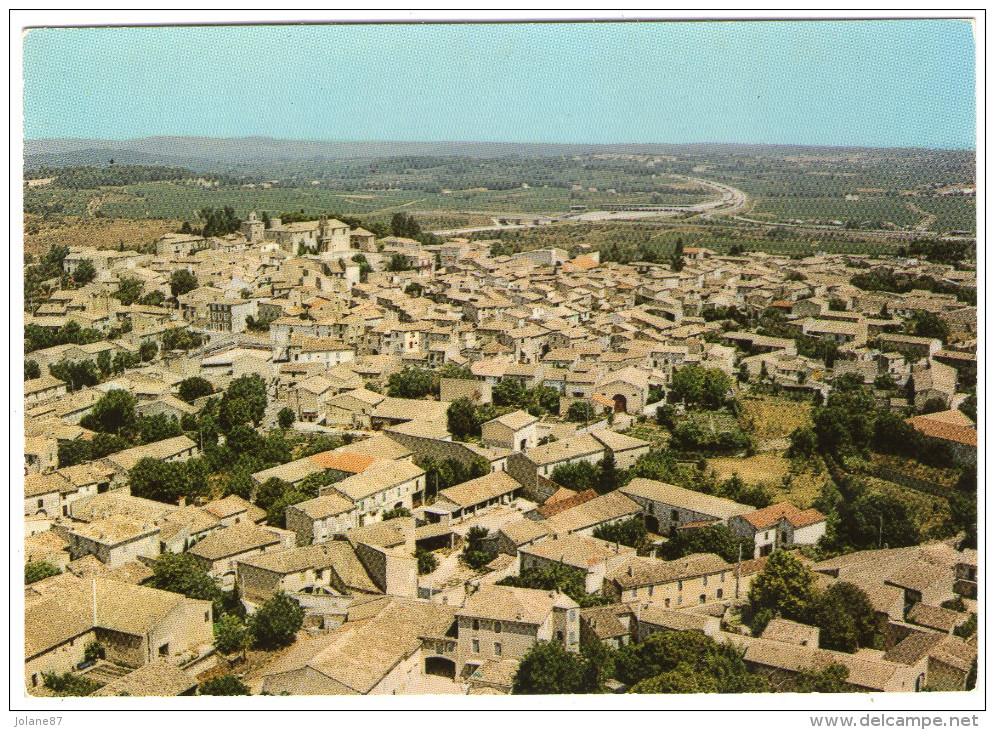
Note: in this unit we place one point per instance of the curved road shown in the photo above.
(730, 201)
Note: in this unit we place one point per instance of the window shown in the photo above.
(41, 503)
(666, 603)
(704, 580)
(497, 648)
(718, 593)
(164, 650)
(680, 585)
(476, 646)
(318, 574)
(572, 615)
(680, 600)
(207, 616)
(673, 515)
(651, 591)
(34, 680)
(559, 636)
(722, 577)
(701, 598)
(497, 627)
(476, 625)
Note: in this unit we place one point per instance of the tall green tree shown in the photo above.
(113, 413)
(548, 668)
(277, 622)
(181, 573)
(226, 685)
(783, 586)
(182, 281)
(845, 617)
(193, 388)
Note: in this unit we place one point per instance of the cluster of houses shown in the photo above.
(289, 302)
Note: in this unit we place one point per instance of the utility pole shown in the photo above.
(739, 560)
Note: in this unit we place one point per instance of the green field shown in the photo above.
(181, 200)
(871, 209)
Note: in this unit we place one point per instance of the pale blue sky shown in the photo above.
(868, 83)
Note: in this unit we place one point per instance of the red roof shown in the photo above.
(353, 463)
(945, 431)
(763, 519)
(549, 509)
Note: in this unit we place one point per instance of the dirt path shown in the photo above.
(928, 218)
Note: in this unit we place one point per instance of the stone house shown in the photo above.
(514, 431)
(666, 506)
(780, 525)
(219, 552)
(590, 558)
(135, 625)
(497, 623)
(114, 540)
(691, 580)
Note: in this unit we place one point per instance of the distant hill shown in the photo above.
(200, 152)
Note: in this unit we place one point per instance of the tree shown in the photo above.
(76, 373)
(698, 386)
(270, 491)
(84, 273)
(686, 652)
(129, 290)
(113, 413)
(679, 681)
(286, 417)
(555, 577)
(831, 680)
(398, 262)
(159, 427)
(31, 370)
(396, 512)
(928, 324)
(718, 539)
(426, 561)
(609, 478)
(165, 481)
(104, 363)
(224, 686)
(880, 520)
(802, 443)
(784, 586)
(39, 570)
(69, 684)
(182, 281)
(578, 475)
(845, 617)
(193, 388)
(243, 439)
(631, 532)
(231, 635)
(243, 401)
(148, 350)
(461, 419)
(477, 553)
(77, 451)
(105, 444)
(364, 267)
(548, 668)
(411, 383)
(181, 573)
(277, 622)
(581, 412)
(276, 515)
(239, 483)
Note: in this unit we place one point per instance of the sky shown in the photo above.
(887, 83)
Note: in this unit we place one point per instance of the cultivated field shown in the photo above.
(770, 470)
(767, 417)
(40, 235)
